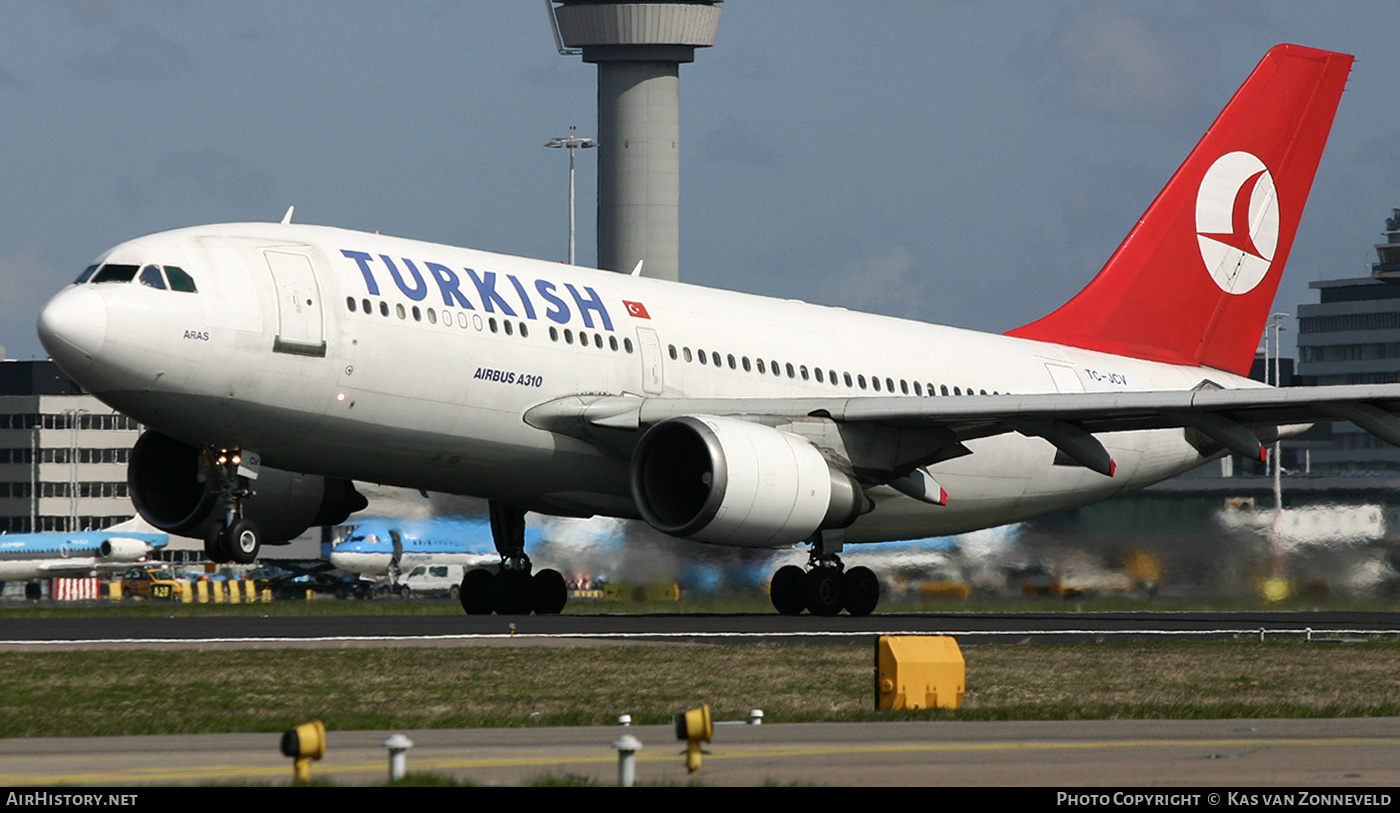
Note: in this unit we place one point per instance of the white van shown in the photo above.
(432, 580)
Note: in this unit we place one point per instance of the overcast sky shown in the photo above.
(972, 163)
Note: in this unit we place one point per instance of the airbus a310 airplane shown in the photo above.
(253, 350)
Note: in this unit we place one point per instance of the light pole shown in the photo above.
(571, 143)
(1277, 319)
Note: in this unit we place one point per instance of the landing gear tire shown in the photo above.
(214, 548)
(786, 590)
(821, 591)
(551, 593)
(476, 592)
(243, 541)
(514, 593)
(860, 591)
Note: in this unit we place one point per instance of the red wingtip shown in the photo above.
(1112, 467)
(942, 496)
(1263, 453)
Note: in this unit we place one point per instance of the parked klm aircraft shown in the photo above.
(257, 350)
(386, 547)
(24, 557)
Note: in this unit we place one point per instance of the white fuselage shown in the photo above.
(302, 343)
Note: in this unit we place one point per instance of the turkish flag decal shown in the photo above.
(636, 309)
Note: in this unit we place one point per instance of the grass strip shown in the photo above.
(162, 692)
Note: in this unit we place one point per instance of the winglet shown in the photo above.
(637, 272)
(1194, 281)
(287, 218)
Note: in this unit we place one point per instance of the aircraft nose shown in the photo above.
(73, 326)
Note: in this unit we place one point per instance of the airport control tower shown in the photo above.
(639, 48)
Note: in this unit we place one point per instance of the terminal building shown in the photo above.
(63, 453)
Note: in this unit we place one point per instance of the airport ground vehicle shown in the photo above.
(151, 583)
(429, 580)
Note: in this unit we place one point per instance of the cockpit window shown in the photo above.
(179, 280)
(150, 275)
(87, 273)
(114, 272)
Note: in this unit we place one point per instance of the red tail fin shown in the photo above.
(1194, 280)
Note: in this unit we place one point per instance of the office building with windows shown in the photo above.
(1352, 336)
(63, 453)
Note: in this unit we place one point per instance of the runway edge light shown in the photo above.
(303, 744)
(919, 672)
(695, 726)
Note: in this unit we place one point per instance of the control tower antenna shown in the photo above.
(639, 48)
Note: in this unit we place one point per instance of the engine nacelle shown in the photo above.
(732, 482)
(166, 487)
(117, 549)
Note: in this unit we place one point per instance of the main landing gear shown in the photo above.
(826, 587)
(234, 538)
(512, 590)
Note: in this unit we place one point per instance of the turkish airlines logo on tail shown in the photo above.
(1237, 221)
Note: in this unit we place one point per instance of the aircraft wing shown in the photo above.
(934, 429)
(59, 567)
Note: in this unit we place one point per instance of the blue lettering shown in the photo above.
(486, 290)
(593, 303)
(559, 312)
(448, 283)
(419, 289)
(362, 259)
(524, 300)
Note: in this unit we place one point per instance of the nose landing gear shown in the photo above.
(234, 538)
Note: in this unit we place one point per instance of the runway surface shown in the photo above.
(462, 630)
(1118, 754)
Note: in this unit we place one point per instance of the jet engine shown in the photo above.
(729, 481)
(168, 490)
(123, 550)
